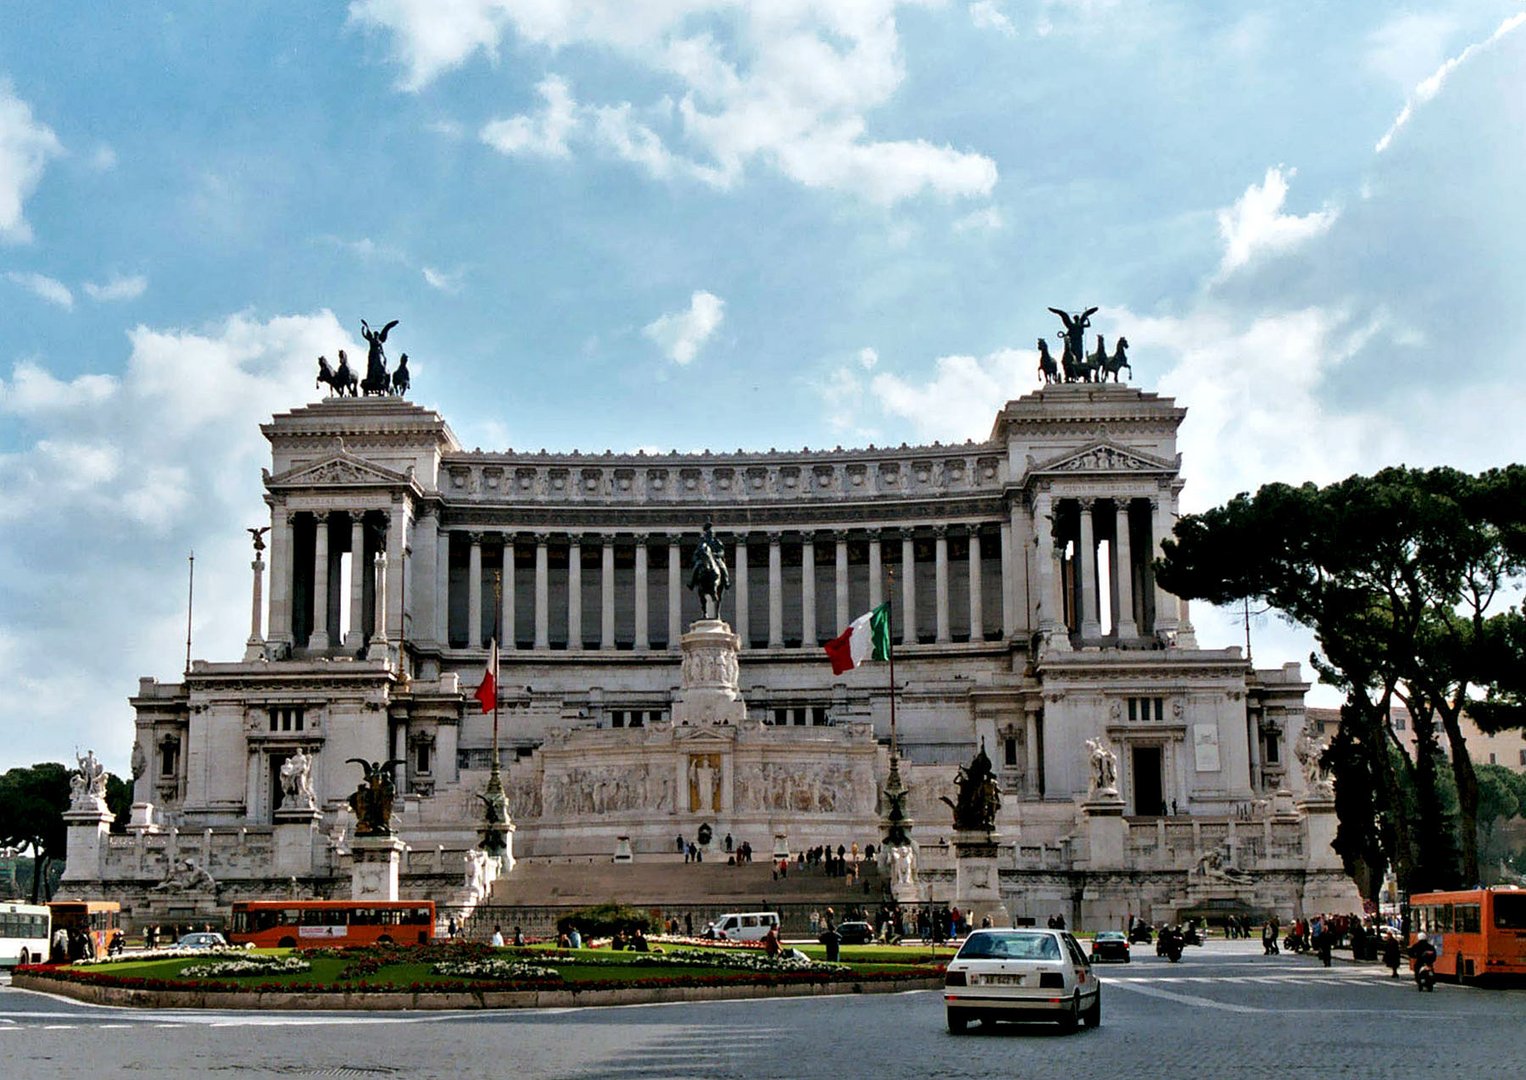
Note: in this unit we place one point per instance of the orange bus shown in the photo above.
(93, 927)
(1477, 932)
(308, 924)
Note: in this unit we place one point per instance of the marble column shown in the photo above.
(1051, 610)
(1010, 557)
(281, 564)
(940, 584)
(356, 637)
(643, 631)
(675, 592)
(254, 648)
(876, 574)
(1031, 748)
(442, 588)
(741, 591)
(977, 600)
(1091, 627)
(378, 650)
(908, 618)
(506, 626)
(474, 593)
(574, 592)
(844, 612)
(775, 591)
(808, 590)
(423, 573)
(319, 639)
(542, 593)
(396, 527)
(607, 594)
(1166, 607)
(1123, 575)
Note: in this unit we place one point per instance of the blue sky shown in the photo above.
(680, 224)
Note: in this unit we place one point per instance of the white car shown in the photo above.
(1026, 974)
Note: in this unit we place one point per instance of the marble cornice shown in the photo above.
(683, 518)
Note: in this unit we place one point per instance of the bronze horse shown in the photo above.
(1049, 371)
(341, 381)
(1111, 365)
(709, 580)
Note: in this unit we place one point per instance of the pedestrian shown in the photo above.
(728, 843)
(1268, 940)
(771, 942)
(452, 928)
(574, 938)
(519, 938)
(688, 924)
(1391, 953)
(680, 842)
(497, 942)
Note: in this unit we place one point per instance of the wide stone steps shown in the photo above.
(668, 883)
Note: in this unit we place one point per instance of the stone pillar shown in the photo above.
(607, 594)
(506, 628)
(1031, 752)
(423, 573)
(1087, 572)
(643, 616)
(1123, 575)
(977, 884)
(876, 574)
(741, 591)
(940, 584)
(574, 592)
(442, 588)
(319, 639)
(1166, 608)
(977, 598)
(397, 555)
(292, 847)
(374, 864)
(542, 591)
(1051, 609)
(378, 648)
(675, 592)
(281, 564)
(844, 612)
(474, 594)
(88, 828)
(356, 637)
(1010, 557)
(908, 588)
(808, 590)
(775, 591)
(255, 647)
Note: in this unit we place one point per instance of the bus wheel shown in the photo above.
(26, 957)
(286, 943)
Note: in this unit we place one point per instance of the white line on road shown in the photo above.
(1185, 999)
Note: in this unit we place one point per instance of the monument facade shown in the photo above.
(1027, 621)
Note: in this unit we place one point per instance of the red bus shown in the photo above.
(308, 924)
(1477, 932)
(93, 927)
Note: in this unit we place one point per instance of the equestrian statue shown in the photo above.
(708, 576)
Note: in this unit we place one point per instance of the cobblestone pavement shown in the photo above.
(1225, 1011)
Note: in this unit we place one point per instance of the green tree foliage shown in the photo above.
(1501, 796)
(602, 920)
(1401, 576)
(119, 801)
(32, 805)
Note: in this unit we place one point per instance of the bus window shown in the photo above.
(1510, 911)
(1443, 918)
(1465, 919)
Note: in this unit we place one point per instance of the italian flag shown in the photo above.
(487, 693)
(866, 638)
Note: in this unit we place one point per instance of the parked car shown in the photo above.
(1110, 945)
(1027, 974)
(855, 933)
(743, 926)
(202, 939)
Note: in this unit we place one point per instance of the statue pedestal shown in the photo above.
(977, 884)
(709, 693)
(142, 821)
(623, 853)
(1318, 811)
(1107, 834)
(295, 830)
(88, 823)
(374, 862)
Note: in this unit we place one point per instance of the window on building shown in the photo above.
(1146, 709)
(421, 760)
(169, 758)
(1523, 757)
(819, 715)
(1273, 749)
(1009, 752)
(1493, 758)
(781, 717)
(287, 718)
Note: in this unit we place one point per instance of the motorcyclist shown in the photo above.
(1423, 960)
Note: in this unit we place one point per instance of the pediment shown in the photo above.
(1101, 457)
(341, 469)
(706, 735)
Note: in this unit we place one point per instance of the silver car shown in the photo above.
(1026, 974)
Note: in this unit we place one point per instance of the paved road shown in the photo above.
(1225, 1011)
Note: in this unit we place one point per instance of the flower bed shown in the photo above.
(251, 965)
(498, 967)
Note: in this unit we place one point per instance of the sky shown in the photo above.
(690, 224)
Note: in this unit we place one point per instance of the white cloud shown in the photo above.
(40, 285)
(681, 334)
(104, 158)
(26, 146)
(787, 86)
(867, 358)
(1256, 225)
(544, 134)
(445, 281)
(960, 398)
(1408, 46)
(986, 219)
(32, 389)
(987, 15)
(1430, 86)
(117, 287)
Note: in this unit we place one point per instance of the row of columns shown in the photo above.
(740, 591)
(388, 605)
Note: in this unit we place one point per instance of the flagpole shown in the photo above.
(190, 598)
(890, 655)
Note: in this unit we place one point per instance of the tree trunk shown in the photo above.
(1467, 793)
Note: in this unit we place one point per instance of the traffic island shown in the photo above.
(471, 977)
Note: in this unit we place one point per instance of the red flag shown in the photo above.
(487, 693)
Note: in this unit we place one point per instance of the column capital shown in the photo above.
(507, 537)
(1087, 502)
(840, 535)
(940, 531)
(542, 539)
(321, 516)
(291, 518)
(904, 533)
(642, 538)
(476, 537)
(574, 540)
(775, 538)
(875, 534)
(674, 539)
(807, 536)
(356, 512)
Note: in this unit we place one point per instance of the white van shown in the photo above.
(743, 926)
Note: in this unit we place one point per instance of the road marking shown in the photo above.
(1188, 999)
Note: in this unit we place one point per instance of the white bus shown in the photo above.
(24, 932)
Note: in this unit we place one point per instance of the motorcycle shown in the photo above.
(1425, 972)
(1174, 949)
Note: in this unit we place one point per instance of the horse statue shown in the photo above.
(377, 381)
(1096, 363)
(1070, 363)
(1111, 365)
(400, 377)
(341, 380)
(708, 576)
(1049, 371)
(979, 795)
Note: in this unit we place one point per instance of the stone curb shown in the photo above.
(382, 1001)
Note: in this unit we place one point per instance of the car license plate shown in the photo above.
(1002, 980)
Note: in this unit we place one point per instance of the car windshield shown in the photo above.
(1010, 947)
(1110, 935)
